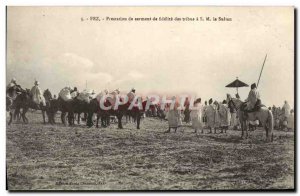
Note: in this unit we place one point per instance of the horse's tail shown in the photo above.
(270, 123)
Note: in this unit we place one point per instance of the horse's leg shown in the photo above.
(50, 117)
(138, 121)
(267, 133)
(247, 129)
(78, 118)
(10, 117)
(119, 116)
(16, 113)
(97, 122)
(63, 119)
(25, 120)
(89, 121)
(104, 121)
(43, 114)
(242, 127)
(71, 118)
(53, 114)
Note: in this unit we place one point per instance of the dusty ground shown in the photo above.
(46, 157)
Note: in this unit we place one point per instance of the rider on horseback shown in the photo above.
(74, 93)
(131, 95)
(253, 99)
(10, 89)
(37, 95)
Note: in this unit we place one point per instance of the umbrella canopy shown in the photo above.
(236, 84)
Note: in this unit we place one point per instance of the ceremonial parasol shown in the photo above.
(236, 84)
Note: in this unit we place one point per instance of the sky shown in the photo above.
(54, 46)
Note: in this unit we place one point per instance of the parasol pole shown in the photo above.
(237, 88)
(261, 70)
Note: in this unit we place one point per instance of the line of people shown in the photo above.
(212, 115)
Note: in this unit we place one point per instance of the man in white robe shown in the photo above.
(196, 116)
(174, 116)
(37, 95)
(286, 108)
(253, 97)
(290, 120)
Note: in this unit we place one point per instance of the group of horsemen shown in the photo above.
(208, 117)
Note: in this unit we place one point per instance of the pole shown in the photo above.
(261, 70)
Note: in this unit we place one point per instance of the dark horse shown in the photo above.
(122, 110)
(24, 101)
(94, 107)
(71, 107)
(15, 100)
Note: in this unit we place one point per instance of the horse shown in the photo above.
(15, 96)
(66, 107)
(135, 112)
(263, 114)
(79, 106)
(122, 110)
(25, 101)
(94, 107)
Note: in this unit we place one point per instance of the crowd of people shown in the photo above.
(224, 115)
(211, 115)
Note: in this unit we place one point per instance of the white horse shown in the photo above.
(264, 115)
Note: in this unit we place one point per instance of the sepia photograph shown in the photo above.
(150, 98)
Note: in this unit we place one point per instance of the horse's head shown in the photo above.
(18, 89)
(237, 103)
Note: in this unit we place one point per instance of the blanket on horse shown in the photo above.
(65, 94)
(86, 96)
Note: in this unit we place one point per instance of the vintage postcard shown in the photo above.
(150, 98)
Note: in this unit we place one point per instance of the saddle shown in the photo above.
(258, 105)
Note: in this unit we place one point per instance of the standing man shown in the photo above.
(186, 110)
(210, 114)
(196, 116)
(286, 108)
(233, 111)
